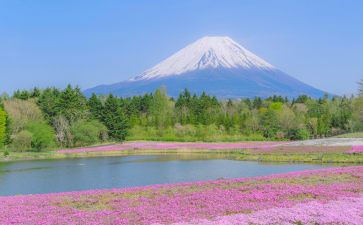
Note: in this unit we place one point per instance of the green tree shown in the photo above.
(48, 102)
(2, 126)
(88, 132)
(270, 123)
(22, 141)
(114, 119)
(72, 104)
(95, 106)
(360, 88)
(42, 135)
(161, 109)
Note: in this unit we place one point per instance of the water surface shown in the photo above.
(46, 176)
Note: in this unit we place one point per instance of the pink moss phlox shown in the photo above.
(346, 210)
(275, 198)
(356, 149)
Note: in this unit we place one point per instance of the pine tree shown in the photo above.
(114, 119)
(95, 106)
(72, 104)
(360, 88)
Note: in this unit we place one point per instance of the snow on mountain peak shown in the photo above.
(207, 52)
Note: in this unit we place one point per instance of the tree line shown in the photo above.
(40, 119)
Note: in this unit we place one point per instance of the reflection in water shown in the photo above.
(46, 176)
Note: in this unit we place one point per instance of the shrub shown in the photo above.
(2, 127)
(88, 132)
(299, 134)
(42, 135)
(22, 141)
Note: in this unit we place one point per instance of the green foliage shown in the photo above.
(72, 104)
(48, 102)
(42, 135)
(208, 133)
(298, 134)
(95, 107)
(3, 119)
(161, 109)
(270, 124)
(88, 132)
(76, 121)
(21, 112)
(22, 141)
(277, 106)
(114, 119)
(6, 153)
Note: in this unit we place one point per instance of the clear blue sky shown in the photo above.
(85, 42)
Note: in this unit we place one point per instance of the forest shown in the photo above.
(41, 119)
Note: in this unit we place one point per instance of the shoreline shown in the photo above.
(238, 154)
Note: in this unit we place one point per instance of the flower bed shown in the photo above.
(261, 200)
(356, 149)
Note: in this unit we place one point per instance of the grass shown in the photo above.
(216, 138)
(330, 155)
(351, 135)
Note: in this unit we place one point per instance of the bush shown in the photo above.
(299, 134)
(2, 127)
(6, 153)
(42, 135)
(22, 141)
(88, 132)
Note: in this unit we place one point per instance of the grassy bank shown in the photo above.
(351, 135)
(319, 155)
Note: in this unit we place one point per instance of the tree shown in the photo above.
(42, 135)
(270, 124)
(22, 141)
(35, 93)
(2, 126)
(22, 95)
(95, 106)
(88, 132)
(48, 102)
(63, 131)
(21, 112)
(114, 119)
(72, 104)
(360, 88)
(161, 109)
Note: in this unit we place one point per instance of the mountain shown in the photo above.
(217, 65)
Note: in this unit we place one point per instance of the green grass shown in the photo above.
(351, 135)
(230, 154)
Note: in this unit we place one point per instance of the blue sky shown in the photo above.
(85, 42)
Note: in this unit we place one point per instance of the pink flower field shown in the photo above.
(356, 149)
(326, 196)
(174, 145)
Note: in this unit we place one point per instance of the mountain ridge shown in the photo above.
(216, 65)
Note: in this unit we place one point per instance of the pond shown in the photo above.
(46, 176)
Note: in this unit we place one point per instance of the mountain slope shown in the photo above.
(217, 65)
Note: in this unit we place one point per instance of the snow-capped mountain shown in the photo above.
(217, 65)
(205, 53)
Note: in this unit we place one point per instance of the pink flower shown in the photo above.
(323, 196)
(356, 149)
